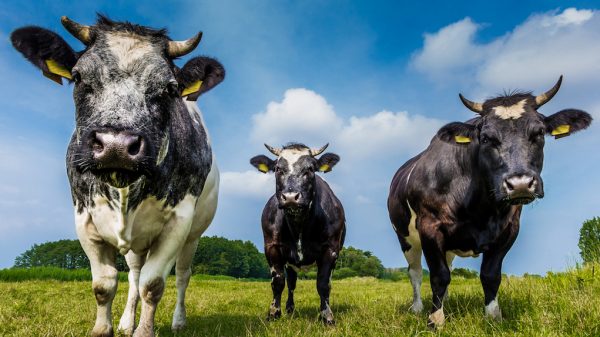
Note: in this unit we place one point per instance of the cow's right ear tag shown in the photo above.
(462, 139)
(263, 168)
(191, 90)
(56, 71)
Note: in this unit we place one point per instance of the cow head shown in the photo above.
(128, 93)
(295, 169)
(508, 138)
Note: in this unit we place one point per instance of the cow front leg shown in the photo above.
(159, 261)
(127, 321)
(102, 258)
(183, 270)
(292, 277)
(277, 286)
(439, 279)
(325, 268)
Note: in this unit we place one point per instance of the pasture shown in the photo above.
(562, 304)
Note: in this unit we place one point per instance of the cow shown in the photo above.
(143, 177)
(303, 223)
(464, 194)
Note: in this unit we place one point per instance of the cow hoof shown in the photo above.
(274, 315)
(328, 321)
(436, 319)
(143, 331)
(178, 326)
(417, 307)
(493, 311)
(290, 309)
(103, 331)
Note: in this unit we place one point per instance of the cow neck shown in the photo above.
(298, 220)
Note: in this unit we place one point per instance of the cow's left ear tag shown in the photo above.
(56, 71)
(263, 168)
(462, 139)
(191, 91)
(325, 168)
(561, 131)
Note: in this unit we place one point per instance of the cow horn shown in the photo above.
(316, 152)
(81, 32)
(473, 106)
(273, 150)
(545, 97)
(180, 48)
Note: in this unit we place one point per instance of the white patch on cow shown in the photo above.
(164, 149)
(196, 115)
(493, 310)
(449, 259)
(438, 318)
(299, 248)
(462, 253)
(413, 257)
(514, 111)
(292, 156)
(128, 49)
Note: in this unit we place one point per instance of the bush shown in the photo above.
(344, 273)
(236, 258)
(465, 273)
(364, 263)
(589, 240)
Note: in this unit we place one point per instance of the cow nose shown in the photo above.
(521, 184)
(120, 150)
(290, 198)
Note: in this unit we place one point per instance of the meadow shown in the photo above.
(561, 304)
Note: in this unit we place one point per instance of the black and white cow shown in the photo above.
(143, 177)
(303, 222)
(463, 195)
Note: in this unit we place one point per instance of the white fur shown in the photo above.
(493, 311)
(128, 49)
(413, 257)
(292, 156)
(514, 111)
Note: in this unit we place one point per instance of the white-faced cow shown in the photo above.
(302, 223)
(463, 195)
(143, 177)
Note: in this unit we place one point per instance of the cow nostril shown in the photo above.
(531, 183)
(283, 197)
(97, 144)
(135, 146)
(297, 196)
(509, 186)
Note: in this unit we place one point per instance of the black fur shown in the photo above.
(38, 45)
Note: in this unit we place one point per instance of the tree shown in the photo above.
(66, 254)
(220, 256)
(363, 263)
(589, 240)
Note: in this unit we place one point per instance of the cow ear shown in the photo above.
(46, 50)
(199, 75)
(327, 161)
(565, 122)
(459, 133)
(263, 163)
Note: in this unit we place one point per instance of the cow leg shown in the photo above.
(292, 276)
(449, 259)
(415, 271)
(491, 276)
(277, 285)
(159, 261)
(104, 273)
(439, 279)
(127, 321)
(324, 269)
(183, 270)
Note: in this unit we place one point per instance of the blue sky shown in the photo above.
(374, 79)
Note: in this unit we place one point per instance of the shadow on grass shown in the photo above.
(223, 324)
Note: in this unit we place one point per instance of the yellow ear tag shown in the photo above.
(192, 88)
(324, 168)
(462, 139)
(263, 168)
(561, 130)
(56, 71)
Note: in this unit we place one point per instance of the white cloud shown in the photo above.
(305, 116)
(249, 184)
(532, 55)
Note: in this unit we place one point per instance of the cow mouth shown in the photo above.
(524, 200)
(119, 178)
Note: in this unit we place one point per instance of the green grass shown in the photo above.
(565, 304)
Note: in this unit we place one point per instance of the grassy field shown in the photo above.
(566, 304)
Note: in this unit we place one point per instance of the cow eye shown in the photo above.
(173, 89)
(76, 76)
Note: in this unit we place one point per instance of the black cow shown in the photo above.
(463, 195)
(302, 223)
(143, 178)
